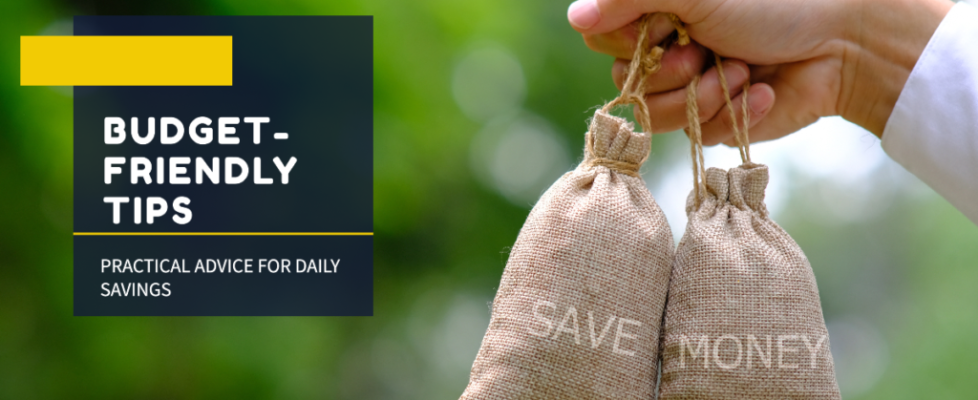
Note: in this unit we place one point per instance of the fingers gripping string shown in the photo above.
(646, 60)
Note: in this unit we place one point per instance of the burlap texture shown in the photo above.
(740, 278)
(579, 307)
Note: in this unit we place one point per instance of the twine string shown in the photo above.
(695, 134)
(694, 130)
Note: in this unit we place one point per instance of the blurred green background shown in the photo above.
(479, 105)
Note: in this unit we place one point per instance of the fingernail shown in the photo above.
(584, 14)
(735, 73)
(760, 102)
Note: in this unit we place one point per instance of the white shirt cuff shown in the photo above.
(933, 131)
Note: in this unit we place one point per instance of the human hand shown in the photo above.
(818, 58)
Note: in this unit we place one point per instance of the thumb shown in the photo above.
(601, 16)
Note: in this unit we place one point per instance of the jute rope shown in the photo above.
(694, 131)
(646, 60)
(695, 134)
(740, 136)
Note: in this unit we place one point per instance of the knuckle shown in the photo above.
(711, 140)
(618, 74)
(711, 107)
(592, 42)
(726, 121)
(656, 118)
(686, 70)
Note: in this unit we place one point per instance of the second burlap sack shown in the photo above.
(743, 318)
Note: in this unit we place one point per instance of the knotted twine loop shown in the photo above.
(623, 167)
(646, 60)
(694, 131)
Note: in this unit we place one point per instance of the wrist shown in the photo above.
(882, 41)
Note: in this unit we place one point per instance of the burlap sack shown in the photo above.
(743, 318)
(579, 307)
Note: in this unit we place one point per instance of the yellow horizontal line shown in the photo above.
(126, 60)
(223, 233)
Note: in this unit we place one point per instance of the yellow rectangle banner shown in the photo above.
(125, 61)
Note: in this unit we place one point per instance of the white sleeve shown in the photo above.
(933, 131)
